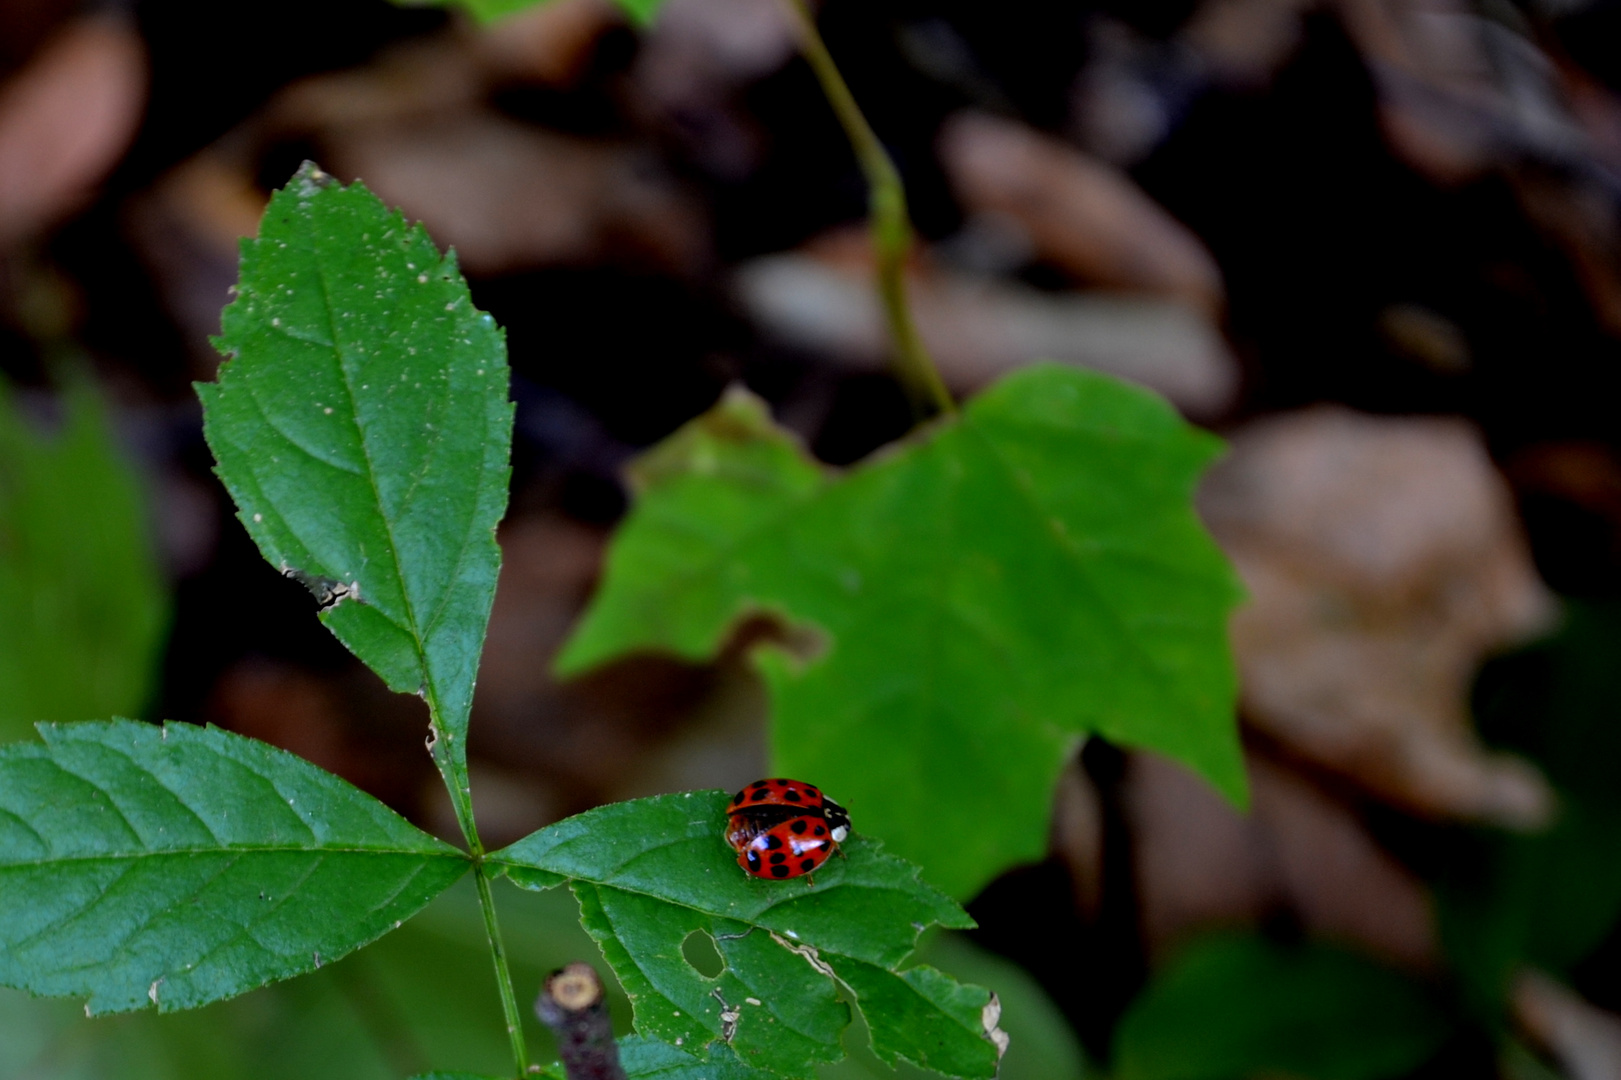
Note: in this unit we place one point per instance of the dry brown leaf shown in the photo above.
(978, 327)
(1200, 864)
(1584, 1039)
(1384, 563)
(65, 119)
(1084, 216)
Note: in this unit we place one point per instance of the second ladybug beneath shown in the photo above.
(784, 828)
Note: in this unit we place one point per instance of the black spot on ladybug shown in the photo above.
(820, 831)
(798, 826)
(791, 796)
(773, 842)
(754, 860)
(812, 792)
(808, 865)
(778, 859)
(780, 783)
(779, 871)
(758, 795)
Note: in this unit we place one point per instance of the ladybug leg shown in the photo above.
(810, 881)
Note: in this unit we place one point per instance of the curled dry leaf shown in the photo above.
(1384, 562)
(65, 119)
(1199, 863)
(1084, 216)
(978, 327)
(1583, 1038)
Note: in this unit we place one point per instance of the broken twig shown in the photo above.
(573, 1006)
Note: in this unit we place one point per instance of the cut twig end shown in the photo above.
(575, 987)
(573, 1004)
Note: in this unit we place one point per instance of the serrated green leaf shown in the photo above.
(984, 596)
(650, 872)
(176, 866)
(421, 997)
(363, 428)
(83, 608)
(1235, 1007)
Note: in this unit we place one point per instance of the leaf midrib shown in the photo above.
(414, 629)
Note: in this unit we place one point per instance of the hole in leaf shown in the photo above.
(700, 951)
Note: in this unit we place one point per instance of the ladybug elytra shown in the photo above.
(784, 828)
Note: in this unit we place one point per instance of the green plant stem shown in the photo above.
(890, 225)
(453, 770)
(503, 974)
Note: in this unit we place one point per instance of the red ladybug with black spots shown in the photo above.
(784, 828)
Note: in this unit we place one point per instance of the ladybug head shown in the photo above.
(838, 819)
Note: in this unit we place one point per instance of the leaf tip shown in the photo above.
(310, 179)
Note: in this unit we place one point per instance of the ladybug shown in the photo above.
(784, 828)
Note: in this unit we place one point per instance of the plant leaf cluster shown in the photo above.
(362, 426)
(962, 610)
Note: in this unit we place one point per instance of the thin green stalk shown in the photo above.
(890, 225)
(453, 770)
(503, 974)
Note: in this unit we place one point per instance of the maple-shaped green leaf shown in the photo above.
(652, 875)
(83, 608)
(980, 598)
(175, 866)
(363, 428)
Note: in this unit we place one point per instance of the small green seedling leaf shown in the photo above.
(1241, 1006)
(363, 429)
(640, 12)
(975, 602)
(650, 1059)
(175, 866)
(650, 873)
(83, 608)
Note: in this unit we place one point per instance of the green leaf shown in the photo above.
(453, 1076)
(363, 428)
(1548, 898)
(179, 865)
(83, 609)
(650, 873)
(1043, 1046)
(421, 997)
(980, 599)
(1230, 1008)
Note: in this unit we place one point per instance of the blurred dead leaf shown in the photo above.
(978, 327)
(1584, 1039)
(1081, 214)
(1384, 563)
(1199, 863)
(65, 119)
